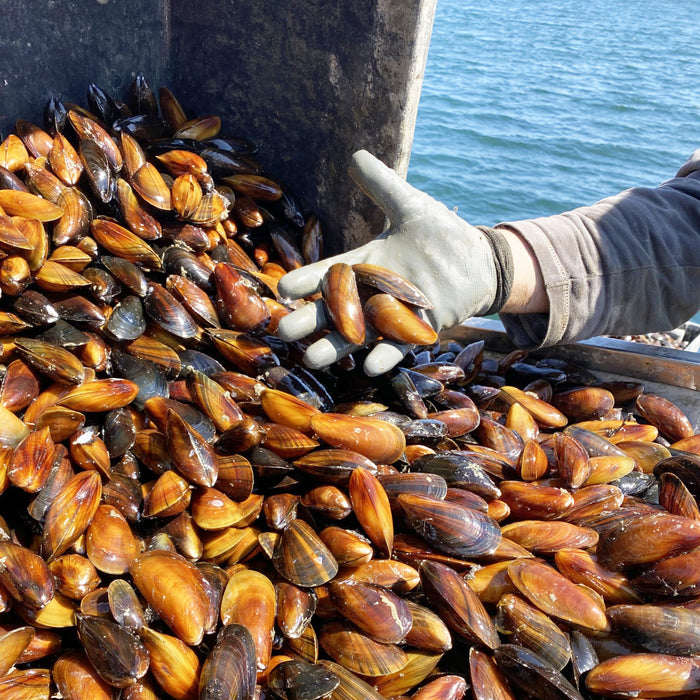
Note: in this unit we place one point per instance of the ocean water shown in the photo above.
(529, 109)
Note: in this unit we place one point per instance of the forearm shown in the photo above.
(628, 264)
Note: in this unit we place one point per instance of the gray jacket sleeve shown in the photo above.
(628, 264)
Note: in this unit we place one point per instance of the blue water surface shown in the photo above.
(529, 109)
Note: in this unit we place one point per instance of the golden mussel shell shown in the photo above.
(486, 679)
(647, 539)
(229, 670)
(119, 658)
(378, 440)
(656, 628)
(75, 677)
(393, 320)
(372, 509)
(175, 666)
(70, 513)
(457, 604)
(451, 528)
(556, 596)
(302, 558)
(583, 567)
(662, 413)
(296, 679)
(238, 305)
(30, 206)
(111, 545)
(339, 290)
(121, 242)
(295, 608)
(13, 154)
(549, 536)
(31, 683)
(536, 501)
(136, 217)
(250, 600)
(375, 610)
(428, 632)
(358, 652)
(527, 626)
(25, 575)
(32, 460)
(74, 575)
(348, 547)
(645, 675)
(280, 509)
(172, 587)
(350, 687)
(191, 454)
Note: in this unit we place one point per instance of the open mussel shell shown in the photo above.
(299, 680)
(229, 670)
(450, 527)
(301, 557)
(117, 655)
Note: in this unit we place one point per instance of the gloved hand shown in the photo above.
(464, 271)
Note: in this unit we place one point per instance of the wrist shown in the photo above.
(528, 294)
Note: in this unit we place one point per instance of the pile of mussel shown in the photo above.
(188, 512)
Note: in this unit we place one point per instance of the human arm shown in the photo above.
(627, 264)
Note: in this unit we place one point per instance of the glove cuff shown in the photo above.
(503, 262)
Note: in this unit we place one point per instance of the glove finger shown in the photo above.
(384, 356)
(309, 318)
(328, 350)
(397, 199)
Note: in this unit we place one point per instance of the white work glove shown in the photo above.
(464, 271)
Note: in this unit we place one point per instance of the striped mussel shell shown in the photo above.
(301, 557)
